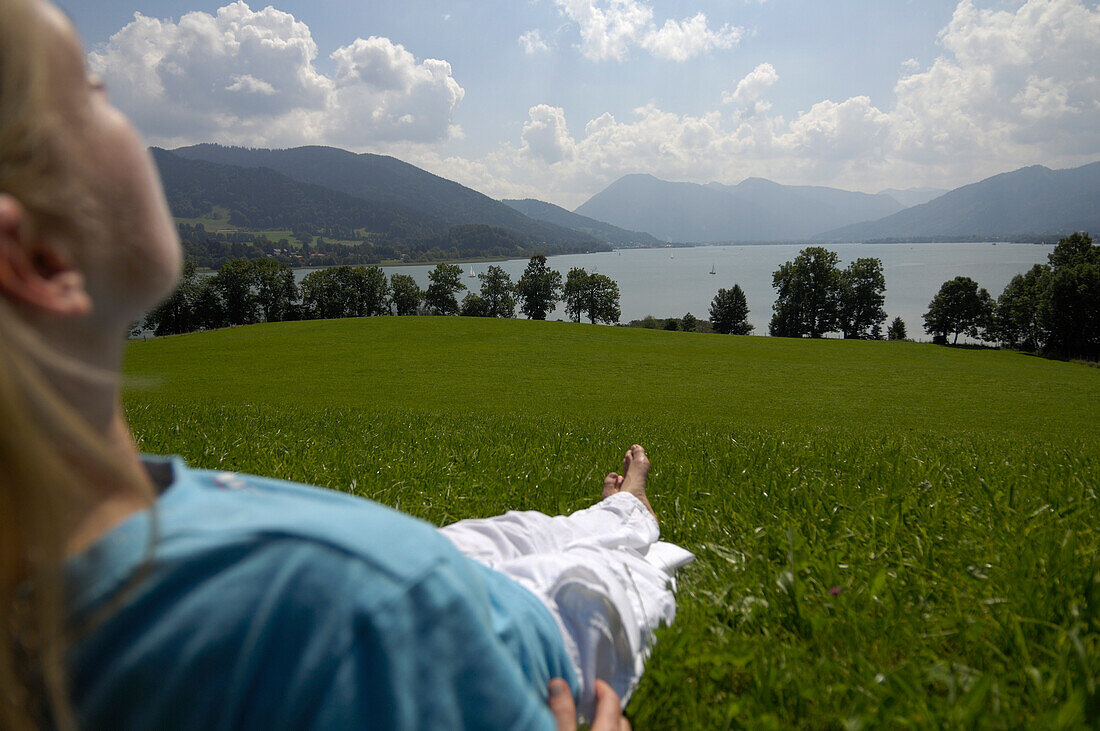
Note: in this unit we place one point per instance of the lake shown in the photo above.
(670, 282)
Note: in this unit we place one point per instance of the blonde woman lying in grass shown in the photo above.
(137, 592)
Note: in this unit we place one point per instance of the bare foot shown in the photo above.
(635, 471)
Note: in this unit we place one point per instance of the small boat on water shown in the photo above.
(472, 275)
(712, 270)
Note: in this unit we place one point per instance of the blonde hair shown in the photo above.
(40, 493)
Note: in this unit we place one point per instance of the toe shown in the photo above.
(611, 484)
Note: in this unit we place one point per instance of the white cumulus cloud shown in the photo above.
(840, 131)
(682, 40)
(531, 42)
(382, 91)
(752, 86)
(1015, 84)
(610, 28)
(545, 134)
(248, 77)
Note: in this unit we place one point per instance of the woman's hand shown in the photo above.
(609, 714)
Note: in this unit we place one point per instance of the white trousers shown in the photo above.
(601, 572)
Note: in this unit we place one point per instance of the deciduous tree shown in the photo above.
(862, 294)
(474, 305)
(209, 306)
(539, 289)
(498, 292)
(405, 295)
(1055, 307)
(603, 299)
(374, 291)
(331, 293)
(960, 307)
(807, 294)
(595, 296)
(234, 282)
(1071, 310)
(276, 291)
(176, 314)
(446, 282)
(573, 293)
(1018, 321)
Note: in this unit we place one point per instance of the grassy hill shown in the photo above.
(887, 533)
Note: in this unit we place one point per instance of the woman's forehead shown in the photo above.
(60, 25)
(67, 63)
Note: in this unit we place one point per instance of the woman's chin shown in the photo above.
(156, 276)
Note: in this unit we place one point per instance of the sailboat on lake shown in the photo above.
(712, 270)
(472, 275)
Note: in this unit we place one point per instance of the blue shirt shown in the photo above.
(268, 605)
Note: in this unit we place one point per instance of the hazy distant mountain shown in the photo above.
(388, 181)
(910, 197)
(542, 211)
(754, 210)
(1029, 200)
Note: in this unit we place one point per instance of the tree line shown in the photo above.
(247, 291)
(334, 246)
(1053, 309)
(814, 296)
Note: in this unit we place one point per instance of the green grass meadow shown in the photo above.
(887, 534)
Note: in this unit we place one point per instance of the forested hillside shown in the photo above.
(255, 212)
(387, 181)
(261, 199)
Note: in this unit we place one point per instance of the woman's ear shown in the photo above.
(35, 270)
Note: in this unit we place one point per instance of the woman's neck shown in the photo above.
(111, 500)
(114, 484)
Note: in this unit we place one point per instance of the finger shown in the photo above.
(609, 713)
(561, 705)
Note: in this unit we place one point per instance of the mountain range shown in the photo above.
(910, 197)
(542, 211)
(1031, 200)
(755, 210)
(316, 189)
(426, 201)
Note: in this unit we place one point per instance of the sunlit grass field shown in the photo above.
(888, 534)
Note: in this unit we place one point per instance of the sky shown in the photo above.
(556, 99)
